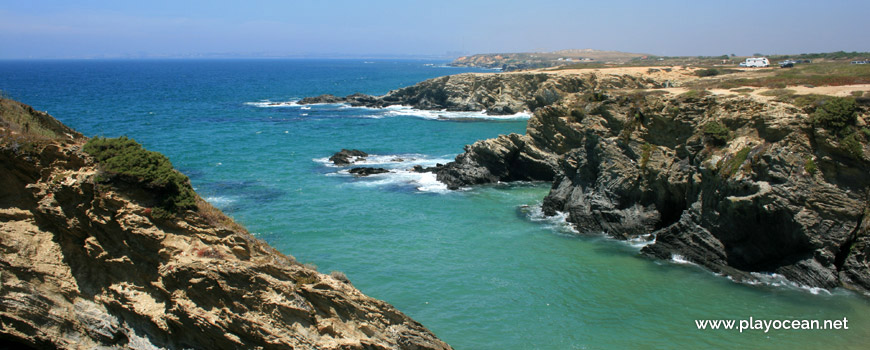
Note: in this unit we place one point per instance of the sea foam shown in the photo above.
(400, 175)
(394, 111)
(558, 223)
(270, 104)
(450, 115)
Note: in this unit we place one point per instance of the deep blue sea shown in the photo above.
(480, 267)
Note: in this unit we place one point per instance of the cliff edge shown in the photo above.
(497, 94)
(740, 184)
(93, 257)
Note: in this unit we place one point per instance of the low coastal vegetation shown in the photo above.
(123, 159)
(814, 74)
(717, 133)
(838, 115)
(729, 166)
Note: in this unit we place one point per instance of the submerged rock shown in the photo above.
(87, 266)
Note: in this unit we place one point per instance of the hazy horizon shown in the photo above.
(392, 29)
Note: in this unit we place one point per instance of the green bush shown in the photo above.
(126, 160)
(731, 166)
(851, 143)
(708, 72)
(717, 133)
(835, 113)
(646, 152)
(810, 166)
(694, 94)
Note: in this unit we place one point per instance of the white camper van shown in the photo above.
(754, 62)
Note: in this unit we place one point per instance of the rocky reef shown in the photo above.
(497, 94)
(734, 183)
(88, 263)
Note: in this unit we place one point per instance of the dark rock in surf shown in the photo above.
(366, 171)
(321, 99)
(422, 169)
(347, 157)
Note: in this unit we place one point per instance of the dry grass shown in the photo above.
(216, 217)
(813, 74)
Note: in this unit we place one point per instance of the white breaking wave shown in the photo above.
(220, 201)
(295, 104)
(558, 222)
(390, 161)
(423, 182)
(400, 174)
(446, 115)
(679, 259)
(777, 280)
(397, 111)
(270, 104)
(642, 240)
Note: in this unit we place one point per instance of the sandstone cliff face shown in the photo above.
(778, 195)
(87, 266)
(498, 94)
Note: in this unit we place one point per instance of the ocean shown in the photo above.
(480, 267)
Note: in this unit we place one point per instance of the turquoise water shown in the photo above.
(479, 267)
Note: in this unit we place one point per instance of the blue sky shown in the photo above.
(330, 28)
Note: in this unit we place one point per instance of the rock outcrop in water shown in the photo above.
(88, 265)
(347, 157)
(728, 182)
(366, 171)
(497, 94)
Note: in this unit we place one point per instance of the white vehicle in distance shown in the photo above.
(755, 62)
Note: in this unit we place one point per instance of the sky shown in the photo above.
(339, 28)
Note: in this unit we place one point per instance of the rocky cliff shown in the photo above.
(734, 183)
(88, 263)
(497, 94)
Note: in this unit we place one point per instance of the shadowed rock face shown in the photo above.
(89, 266)
(366, 171)
(635, 165)
(498, 94)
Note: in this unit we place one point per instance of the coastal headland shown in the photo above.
(741, 171)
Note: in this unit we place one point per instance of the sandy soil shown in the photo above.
(676, 74)
(679, 74)
(758, 93)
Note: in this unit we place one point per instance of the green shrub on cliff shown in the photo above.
(838, 115)
(851, 143)
(717, 133)
(126, 160)
(835, 113)
(646, 152)
(730, 166)
(810, 165)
